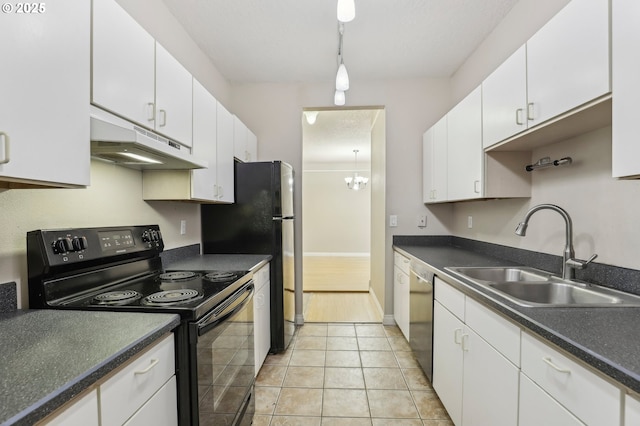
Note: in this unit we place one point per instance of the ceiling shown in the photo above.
(289, 41)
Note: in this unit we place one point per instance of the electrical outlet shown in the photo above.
(393, 221)
(183, 227)
(422, 221)
(469, 222)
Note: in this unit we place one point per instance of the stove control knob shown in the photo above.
(154, 235)
(79, 243)
(146, 236)
(62, 245)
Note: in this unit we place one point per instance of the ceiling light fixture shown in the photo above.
(356, 181)
(342, 77)
(311, 116)
(346, 10)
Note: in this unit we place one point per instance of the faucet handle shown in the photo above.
(580, 264)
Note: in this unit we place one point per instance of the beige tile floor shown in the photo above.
(346, 374)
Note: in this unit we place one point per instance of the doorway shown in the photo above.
(338, 195)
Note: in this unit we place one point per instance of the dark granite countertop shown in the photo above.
(604, 338)
(223, 262)
(48, 357)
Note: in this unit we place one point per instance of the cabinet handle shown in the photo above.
(154, 362)
(519, 112)
(465, 342)
(153, 111)
(7, 146)
(476, 184)
(548, 361)
(163, 122)
(220, 192)
(435, 194)
(530, 111)
(457, 333)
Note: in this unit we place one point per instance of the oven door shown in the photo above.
(222, 360)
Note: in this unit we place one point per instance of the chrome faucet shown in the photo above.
(569, 263)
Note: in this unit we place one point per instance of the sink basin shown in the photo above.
(532, 287)
(502, 274)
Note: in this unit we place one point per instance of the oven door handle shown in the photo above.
(226, 309)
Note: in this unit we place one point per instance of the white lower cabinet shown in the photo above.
(131, 387)
(401, 293)
(538, 408)
(84, 412)
(262, 315)
(477, 384)
(160, 409)
(590, 398)
(631, 410)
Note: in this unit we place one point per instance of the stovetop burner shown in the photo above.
(218, 276)
(177, 276)
(171, 297)
(117, 297)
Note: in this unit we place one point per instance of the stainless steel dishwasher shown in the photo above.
(421, 315)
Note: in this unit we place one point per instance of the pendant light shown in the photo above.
(356, 182)
(346, 10)
(339, 98)
(342, 78)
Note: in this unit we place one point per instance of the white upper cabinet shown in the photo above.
(225, 151)
(626, 85)
(434, 158)
(135, 77)
(123, 64)
(44, 96)
(504, 100)
(568, 60)
(245, 142)
(464, 148)
(204, 181)
(174, 95)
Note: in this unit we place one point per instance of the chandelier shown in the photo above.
(356, 181)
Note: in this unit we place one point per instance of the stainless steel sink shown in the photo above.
(533, 287)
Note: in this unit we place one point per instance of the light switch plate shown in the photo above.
(393, 220)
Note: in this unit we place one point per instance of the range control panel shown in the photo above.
(67, 246)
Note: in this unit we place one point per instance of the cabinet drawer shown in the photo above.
(401, 262)
(131, 387)
(449, 297)
(538, 408)
(589, 397)
(497, 331)
(261, 276)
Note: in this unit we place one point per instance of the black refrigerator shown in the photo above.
(261, 221)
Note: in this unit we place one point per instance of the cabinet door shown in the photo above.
(625, 69)
(160, 410)
(434, 165)
(401, 300)
(44, 101)
(204, 181)
(174, 101)
(631, 410)
(224, 156)
(490, 384)
(123, 64)
(538, 408)
(568, 60)
(504, 100)
(84, 412)
(240, 134)
(464, 148)
(447, 360)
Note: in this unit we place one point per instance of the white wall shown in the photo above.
(337, 220)
(113, 199)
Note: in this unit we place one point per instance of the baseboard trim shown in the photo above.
(299, 319)
(377, 302)
(322, 254)
(388, 320)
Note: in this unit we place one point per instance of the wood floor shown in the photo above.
(335, 273)
(356, 307)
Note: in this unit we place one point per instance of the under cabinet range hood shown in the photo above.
(119, 141)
